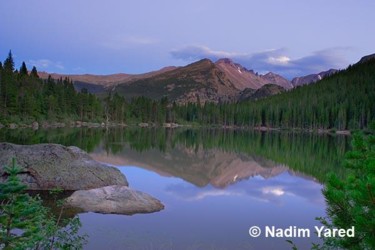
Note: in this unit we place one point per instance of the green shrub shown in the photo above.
(26, 224)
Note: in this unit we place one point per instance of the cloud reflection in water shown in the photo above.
(274, 190)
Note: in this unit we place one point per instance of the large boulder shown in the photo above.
(49, 166)
(114, 200)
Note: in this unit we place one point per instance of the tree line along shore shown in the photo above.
(341, 102)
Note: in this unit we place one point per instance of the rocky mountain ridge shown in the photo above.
(244, 78)
(199, 82)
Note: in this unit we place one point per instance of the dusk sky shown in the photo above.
(289, 37)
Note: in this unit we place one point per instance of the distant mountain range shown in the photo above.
(99, 83)
(201, 81)
(298, 81)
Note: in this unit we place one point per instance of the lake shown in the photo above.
(215, 184)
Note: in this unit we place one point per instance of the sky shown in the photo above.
(288, 37)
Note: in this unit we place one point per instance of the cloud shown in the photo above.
(194, 52)
(275, 60)
(192, 193)
(189, 192)
(45, 64)
(121, 42)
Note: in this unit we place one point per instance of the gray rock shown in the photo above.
(35, 125)
(114, 200)
(13, 126)
(48, 166)
(93, 125)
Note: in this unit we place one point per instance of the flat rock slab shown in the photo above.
(114, 200)
(49, 166)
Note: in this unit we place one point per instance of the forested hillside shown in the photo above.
(345, 100)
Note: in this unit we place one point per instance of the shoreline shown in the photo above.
(81, 124)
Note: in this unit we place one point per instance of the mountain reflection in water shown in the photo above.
(214, 183)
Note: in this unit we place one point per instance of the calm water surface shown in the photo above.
(215, 184)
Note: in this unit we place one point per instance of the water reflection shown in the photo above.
(201, 156)
(272, 190)
(208, 217)
(214, 184)
(201, 168)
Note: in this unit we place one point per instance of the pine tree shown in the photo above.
(8, 88)
(36, 229)
(351, 202)
(19, 211)
(23, 70)
(34, 73)
(9, 63)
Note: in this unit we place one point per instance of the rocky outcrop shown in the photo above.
(48, 166)
(114, 200)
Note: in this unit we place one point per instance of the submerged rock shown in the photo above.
(49, 166)
(114, 200)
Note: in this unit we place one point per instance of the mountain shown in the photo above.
(298, 81)
(197, 82)
(103, 80)
(99, 83)
(272, 78)
(200, 81)
(244, 78)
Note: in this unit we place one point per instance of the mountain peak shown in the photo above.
(204, 60)
(225, 61)
(270, 74)
(273, 78)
